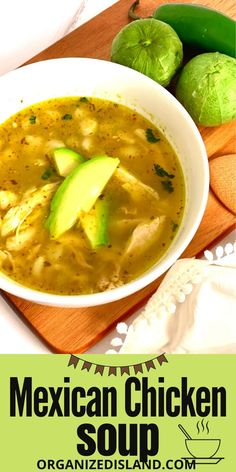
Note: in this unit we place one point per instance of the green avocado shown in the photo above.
(66, 160)
(78, 192)
(95, 223)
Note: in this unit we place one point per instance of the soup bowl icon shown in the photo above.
(202, 448)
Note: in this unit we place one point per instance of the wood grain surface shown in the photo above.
(75, 330)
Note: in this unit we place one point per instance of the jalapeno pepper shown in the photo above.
(200, 26)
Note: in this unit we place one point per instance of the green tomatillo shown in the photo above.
(207, 88)
(151, 47)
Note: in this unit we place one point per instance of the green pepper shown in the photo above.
(197, 26)
(200, 26)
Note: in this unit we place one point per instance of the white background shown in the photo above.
(28, 26)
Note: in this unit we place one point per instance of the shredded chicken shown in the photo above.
(33, 140)
(123, 136)
(80, 259)
(6, 258)
(7, 199)
(75, 246)
(112, 279)
(38, 266)
(134, 185)
(81, 113)
(141, 133)
(88, 126)
(54, 144)
(53, 114)
(20, 240)
(87, 143)
(34, 250)
(128, 150)
(105, 283)
(17, 215)
(55, 252)
(144, 235)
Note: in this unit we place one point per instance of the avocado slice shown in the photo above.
(78, 192)
(95, 223)
(66, 160)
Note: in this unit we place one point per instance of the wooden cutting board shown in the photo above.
(75, 330)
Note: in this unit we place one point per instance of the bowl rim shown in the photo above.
(192, 452)
(201, 440)
(75, 301)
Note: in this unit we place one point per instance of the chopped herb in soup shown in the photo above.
(91, 195)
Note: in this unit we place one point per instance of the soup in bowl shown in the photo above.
(103, 182)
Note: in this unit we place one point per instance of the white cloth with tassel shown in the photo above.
(193, 310)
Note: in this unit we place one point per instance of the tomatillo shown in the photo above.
(151, 47)
(206, 88)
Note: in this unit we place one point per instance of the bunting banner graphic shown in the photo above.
(120, 369)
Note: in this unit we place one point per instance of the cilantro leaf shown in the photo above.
(162, 172)
(67, 117)
(47, 173)
(174, 226)
(151, 136)
(32, 120)
(168, 186)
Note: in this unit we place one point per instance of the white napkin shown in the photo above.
(193, 310)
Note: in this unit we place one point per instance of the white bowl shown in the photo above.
(91, 77)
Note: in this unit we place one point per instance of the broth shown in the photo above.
(142, 219)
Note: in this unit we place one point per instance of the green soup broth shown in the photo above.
(136, 238)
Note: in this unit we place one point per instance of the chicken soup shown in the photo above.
(91, 195)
